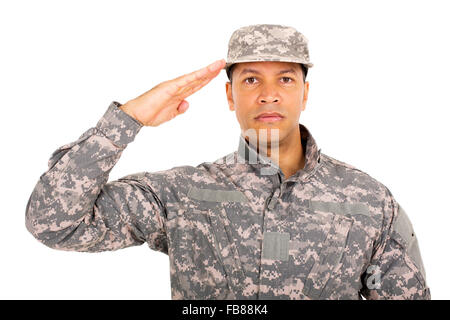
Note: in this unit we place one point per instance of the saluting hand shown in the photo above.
(166, 100)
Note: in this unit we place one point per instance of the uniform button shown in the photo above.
(272, 203)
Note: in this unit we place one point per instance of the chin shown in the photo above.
(278, 125)
(272, 132)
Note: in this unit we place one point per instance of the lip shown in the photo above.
(269, 117)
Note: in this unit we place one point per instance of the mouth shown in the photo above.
(269, 117)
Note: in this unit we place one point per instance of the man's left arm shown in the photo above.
(396, 270)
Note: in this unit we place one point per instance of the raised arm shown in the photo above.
(73, 207)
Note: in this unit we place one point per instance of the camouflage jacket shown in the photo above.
(329, 231)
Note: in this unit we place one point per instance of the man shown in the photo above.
(276, 219)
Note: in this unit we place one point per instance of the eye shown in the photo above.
(248, 79)
(288, 78)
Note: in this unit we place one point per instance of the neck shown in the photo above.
(289, 154)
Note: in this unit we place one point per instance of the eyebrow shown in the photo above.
(248, 70)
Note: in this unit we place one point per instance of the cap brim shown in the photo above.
(268, 59)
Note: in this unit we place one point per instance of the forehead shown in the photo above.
(266, 66)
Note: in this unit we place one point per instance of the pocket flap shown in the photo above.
(216, 195)
(341, 208)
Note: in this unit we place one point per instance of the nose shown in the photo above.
(268, 95)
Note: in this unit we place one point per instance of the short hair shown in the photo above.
(302, 66)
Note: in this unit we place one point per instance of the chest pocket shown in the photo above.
(212, 236)
(337, 218)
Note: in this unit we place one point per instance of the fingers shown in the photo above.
(205, 73)
(217, 65)
(193, 87)
(199, 85)
(183, 91)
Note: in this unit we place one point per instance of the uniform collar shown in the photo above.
(248, 154)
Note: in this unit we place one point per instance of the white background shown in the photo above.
(378, 100)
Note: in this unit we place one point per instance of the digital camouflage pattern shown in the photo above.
(330, 231)
(267, 42)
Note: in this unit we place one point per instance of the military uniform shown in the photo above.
(233, 228)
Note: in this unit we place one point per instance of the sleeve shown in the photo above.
(396, 270)
(72, 207)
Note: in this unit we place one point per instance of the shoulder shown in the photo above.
(173, 176)
(346, 174)
(176, 181)
(350, 183)
(166, 183)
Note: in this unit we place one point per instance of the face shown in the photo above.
(272, 87)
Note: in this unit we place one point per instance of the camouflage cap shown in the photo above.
(267, 42)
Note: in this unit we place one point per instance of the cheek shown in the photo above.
(241, 105)
(295, 104)
(242, 116)
(242, 98)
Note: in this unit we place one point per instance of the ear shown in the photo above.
(305, 95)
(229, 92)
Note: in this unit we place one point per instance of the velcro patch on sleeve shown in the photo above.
(403, 227)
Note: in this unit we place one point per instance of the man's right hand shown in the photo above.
(166, 100)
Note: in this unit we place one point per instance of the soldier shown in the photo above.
(285, 222)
